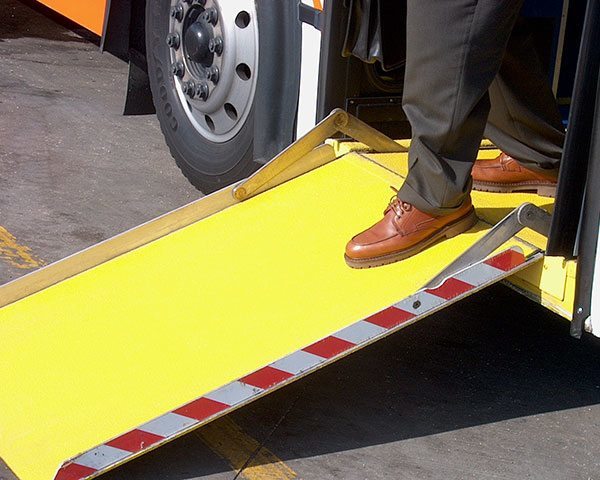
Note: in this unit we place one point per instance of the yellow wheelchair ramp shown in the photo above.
(141, 348)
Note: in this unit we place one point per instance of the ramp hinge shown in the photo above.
(527, 215)
(310, 145)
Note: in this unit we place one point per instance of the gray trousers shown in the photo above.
(471, 68)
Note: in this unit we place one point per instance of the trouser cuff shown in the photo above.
(408, 194)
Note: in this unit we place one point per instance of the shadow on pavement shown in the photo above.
(492, 357)
(28, 18)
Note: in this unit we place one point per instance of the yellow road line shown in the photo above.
(228, 440)
(15, 254)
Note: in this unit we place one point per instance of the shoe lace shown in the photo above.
(399, 207)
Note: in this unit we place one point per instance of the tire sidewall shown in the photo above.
(194, 154)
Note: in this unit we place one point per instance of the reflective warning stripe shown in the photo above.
(291, 367)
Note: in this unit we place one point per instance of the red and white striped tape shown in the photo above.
(237, 393)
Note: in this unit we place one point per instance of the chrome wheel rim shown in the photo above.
(214, 63)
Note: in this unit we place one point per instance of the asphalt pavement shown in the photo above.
(490, 388)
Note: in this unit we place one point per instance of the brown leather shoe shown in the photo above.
(405, 231)
(504, 174)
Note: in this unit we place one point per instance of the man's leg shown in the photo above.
(524, 120)
(454, 52)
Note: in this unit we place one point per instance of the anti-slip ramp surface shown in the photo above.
(117, 360)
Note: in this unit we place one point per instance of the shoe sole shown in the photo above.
(542, 189)
(451, 230)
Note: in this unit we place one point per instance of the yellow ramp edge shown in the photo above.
(105, 351)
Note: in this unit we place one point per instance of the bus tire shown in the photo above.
(203, 68)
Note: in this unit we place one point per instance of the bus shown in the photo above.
(235, 82)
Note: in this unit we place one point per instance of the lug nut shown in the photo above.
(178, 69)
(189, 89)
(215, 45)
(177, 12)
(213, 74)
(173, 40)
(210, 15)
(202, 91)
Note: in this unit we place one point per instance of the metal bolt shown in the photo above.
(215, 45)
(240, 193)
(416, 304)
(341, 119)
(189, 89)
(213, 74)
(177, 12)
(579, 311)
(202, 91)
(178, 69)
(210, 15)
(173, 40)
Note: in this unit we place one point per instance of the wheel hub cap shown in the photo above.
(214, 61)
(196, 43)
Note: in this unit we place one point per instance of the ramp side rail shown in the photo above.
(338, 121)
(304, 155)
(525, 216)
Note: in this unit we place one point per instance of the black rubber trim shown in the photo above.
(310, 15)
(124, 36)
(115, 34)
(574, 165)
(588, 235)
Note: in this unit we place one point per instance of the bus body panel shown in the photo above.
(551, 283)
(88, 13)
